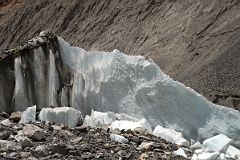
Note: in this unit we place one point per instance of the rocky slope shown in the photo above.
(196, 42)
(41, 140)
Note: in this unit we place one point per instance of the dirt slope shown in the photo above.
(196, 42)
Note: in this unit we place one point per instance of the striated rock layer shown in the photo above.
(47, 71)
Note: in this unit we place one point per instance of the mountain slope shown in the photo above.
(196, 42)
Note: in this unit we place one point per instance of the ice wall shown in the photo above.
(60, 75)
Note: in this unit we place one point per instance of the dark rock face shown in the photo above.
(196, 42)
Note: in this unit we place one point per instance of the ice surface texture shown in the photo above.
(61, 75)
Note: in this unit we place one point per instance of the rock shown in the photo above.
(62, 115)
(208, 156)
(219, 143)
(60, 149)
(180, 152)
(198, 151)
(10, 156)
(33, 132)
(145, 145)
(86, 156)
(41, 151)
(196, 145)
(29, 115)
(118, 138)
(6, 146)
(25, 142)
(6, 122)
(15, 116)
(170, 135)
(4, 135)
(25, 154)
(76, 140)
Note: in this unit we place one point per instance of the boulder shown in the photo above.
(33, 132)
(15, 116)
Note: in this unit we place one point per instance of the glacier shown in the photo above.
(53, 73)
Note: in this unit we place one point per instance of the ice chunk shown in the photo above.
(99, 119)
(118, 138)
(129, 125)
(222, 157)
(6, 122)
(180, 152)
(29, 115)
(219, 143)
(194, 157)
(63, 115)
(208, 156)
(196, 145)
(170, 135)
(233, 152)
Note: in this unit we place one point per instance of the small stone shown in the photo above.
(118, 138)
(61, 149)
(86, 156)
(15, 116)
(33, 132)
(4, 135)
(26, 142)
(25, 154)
(41, 151)
(76, 140)
(146, 145)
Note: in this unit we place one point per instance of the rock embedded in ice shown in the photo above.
(170, 135)
(118, 138)
(233, 152)
(29, 115)
(180, 152)
(219, 143)
(99, 119)
(63, 115)
(208, 156)
(6, 122)
(129, 125)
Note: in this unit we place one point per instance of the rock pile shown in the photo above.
(40, 140)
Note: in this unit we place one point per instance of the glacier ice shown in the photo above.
(180, 152)
(29, 115)
(118, 138)
(170, 135)
(63, 115)
(58, 74)
(219, 143)
(129, 125)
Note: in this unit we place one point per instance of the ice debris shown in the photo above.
(6, 122)
(129, 125)
(118, 138)
(170, 135)
(63, 115)
(219, 143)
(180, 152)
(29, 115)
(215, 148)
